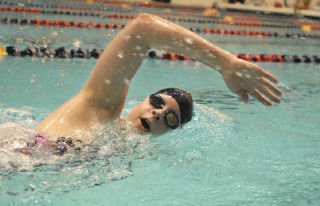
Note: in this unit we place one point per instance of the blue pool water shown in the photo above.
(231, 153)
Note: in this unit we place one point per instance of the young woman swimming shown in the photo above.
(103, 96)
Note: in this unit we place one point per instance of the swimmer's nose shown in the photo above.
(156, 115)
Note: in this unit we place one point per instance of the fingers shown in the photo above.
(268, 75)
(262, 87)
(243, 95)
(270, 95)
(256, 94)
(264, 93)
(269, 90)
(273, 88)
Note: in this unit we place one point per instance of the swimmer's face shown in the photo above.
(148, 118)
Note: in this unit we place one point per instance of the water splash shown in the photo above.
(30, 178)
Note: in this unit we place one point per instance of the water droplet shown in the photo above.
(108, 81)
(33, 79)
(120, 55)
(62, 73)
(19, 40)
(248, 76)
(189, 40)
(126, 37)
(77, 43)
(211, 55)
(31, 187)
(239, 74)
(126, 81)
(142, 54)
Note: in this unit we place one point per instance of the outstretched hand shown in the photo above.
(245, 78)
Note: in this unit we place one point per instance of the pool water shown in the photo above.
(231, 153)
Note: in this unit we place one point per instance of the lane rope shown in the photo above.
(2, 51)
(83, 53)
(92, 25)
(98, 12)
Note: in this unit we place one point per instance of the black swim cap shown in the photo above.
(184, 100)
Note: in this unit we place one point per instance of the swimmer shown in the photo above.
(103, 97)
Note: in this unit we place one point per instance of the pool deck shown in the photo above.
(202, 4)
(246, 7)
(285, 11)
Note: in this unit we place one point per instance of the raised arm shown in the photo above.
(108, 84)
(104, 94)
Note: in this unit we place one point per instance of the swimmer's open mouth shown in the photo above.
(144, 125)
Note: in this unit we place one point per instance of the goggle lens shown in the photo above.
(157, 101)
(172, 120)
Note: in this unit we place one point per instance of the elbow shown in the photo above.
(144, 27)
(144, 17)
(143, 20)
(141, 24)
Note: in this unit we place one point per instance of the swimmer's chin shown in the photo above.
(137, 126)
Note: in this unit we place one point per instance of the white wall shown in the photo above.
(195, 3)
(209, 3)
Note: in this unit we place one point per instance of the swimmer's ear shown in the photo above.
(243, 95)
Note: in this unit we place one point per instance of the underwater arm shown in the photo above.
(108, 84)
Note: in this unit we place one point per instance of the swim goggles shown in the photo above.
(170, 117)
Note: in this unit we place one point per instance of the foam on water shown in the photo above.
(108, 158)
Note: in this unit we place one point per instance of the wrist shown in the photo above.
(226, 63)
